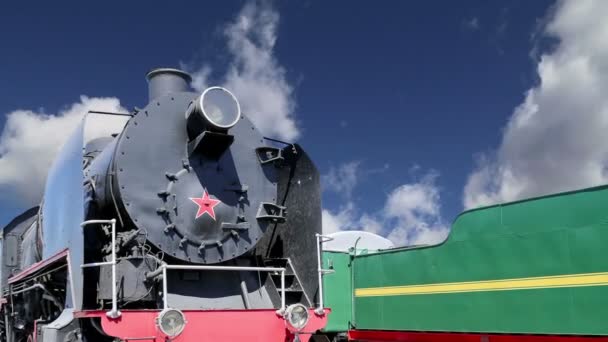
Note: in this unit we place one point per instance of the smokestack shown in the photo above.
(163, 81)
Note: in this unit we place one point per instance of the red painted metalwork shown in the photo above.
(401, 336)
(38, 266)
(216, 325)
(34, 334)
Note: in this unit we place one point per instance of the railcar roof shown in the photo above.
(21, 218)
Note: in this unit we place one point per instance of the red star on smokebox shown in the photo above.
(205, 205)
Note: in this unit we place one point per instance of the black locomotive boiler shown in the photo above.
(187, 224)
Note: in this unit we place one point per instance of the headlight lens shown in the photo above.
(219, 107)
(297, 316)
(171, 322)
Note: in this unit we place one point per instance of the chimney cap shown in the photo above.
(177, 72)
(163, 81)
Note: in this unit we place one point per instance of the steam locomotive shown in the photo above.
(187, 224)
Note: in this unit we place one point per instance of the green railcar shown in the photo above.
(536, 267)
(338, 254)
(338, 290)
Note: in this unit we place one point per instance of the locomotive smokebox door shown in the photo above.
(188, 174)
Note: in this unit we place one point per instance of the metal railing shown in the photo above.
(222, 268)
(320, 239)
(114, 313)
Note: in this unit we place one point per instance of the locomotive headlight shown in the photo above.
(171, 322)
(297, 316)
(218, 107)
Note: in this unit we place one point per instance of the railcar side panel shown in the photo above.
(533, 267)
(337, 290)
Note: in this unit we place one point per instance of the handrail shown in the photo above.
(114, 313)
(320, 239)
(166, 267)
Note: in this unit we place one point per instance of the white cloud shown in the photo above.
(410, 216)
(555, 140)
(30, 141)
(472, 24)
(343, 219)
(415, 208)
(342, 179)
(254, 74)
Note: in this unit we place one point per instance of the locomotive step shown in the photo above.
(280, 263)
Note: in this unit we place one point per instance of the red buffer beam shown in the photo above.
(400, 336)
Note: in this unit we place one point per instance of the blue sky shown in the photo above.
(418, 94)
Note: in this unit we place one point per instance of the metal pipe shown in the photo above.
(86, 223)
(108, 113)
(225, 268)
(95, 324)
(165, 294)
(320, 239)
(155, 273)
(283, 291)
(44, 289)
(352, 283)
(114, 313)
(245, 294)
(158, 270)
(320, 309)
(29, 288)
(94, 264)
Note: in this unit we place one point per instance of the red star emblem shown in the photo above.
(205, 205)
